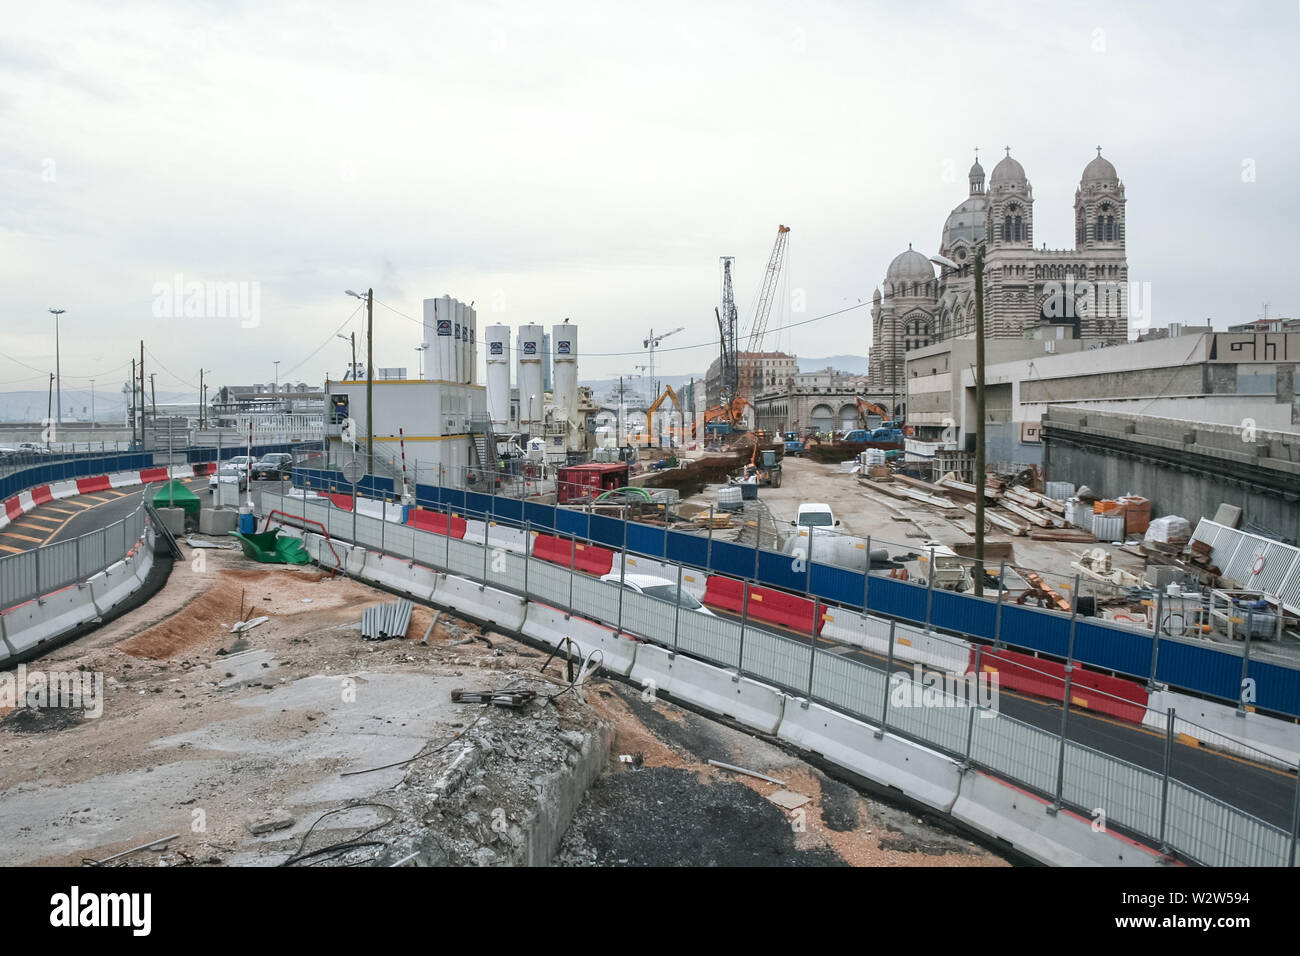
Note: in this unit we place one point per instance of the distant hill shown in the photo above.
(852, 364)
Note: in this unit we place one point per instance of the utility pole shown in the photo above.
(369, 381)
(142, 392)
(92, 405)
(979, 425)
(153, 398)
(132, 404)
(49, 412)
(202, 401)
(370, 376)
(57, 371)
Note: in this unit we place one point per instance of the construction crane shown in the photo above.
(727, 323)
(758, 328)
(652, 342)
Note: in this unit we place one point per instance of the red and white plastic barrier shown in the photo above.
(25, 501)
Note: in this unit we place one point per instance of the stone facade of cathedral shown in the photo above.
(1029, 293)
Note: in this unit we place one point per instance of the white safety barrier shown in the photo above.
(923, 775)
(39, 621)
(912, 644)
(485, 604)
(1250, 735)
(1009, 813)
(746, 701)
(550, 626)
(397, 574)
(63, 489)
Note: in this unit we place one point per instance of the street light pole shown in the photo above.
(58, 374)
(978, 266)
(369, 298)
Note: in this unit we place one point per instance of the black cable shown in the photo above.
(341, 846)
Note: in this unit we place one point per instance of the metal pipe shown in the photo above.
(866, 578)
(997, 614)
(677, 612)
(889, 673)
(1170, 716)
(929, 590)
(1065, 700)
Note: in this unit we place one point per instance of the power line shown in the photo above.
(327, 341)
(679, 348)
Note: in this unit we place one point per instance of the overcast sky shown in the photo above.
(594, 160)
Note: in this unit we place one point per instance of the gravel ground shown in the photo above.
(660, 803)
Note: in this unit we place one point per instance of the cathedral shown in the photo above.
(1029, 292)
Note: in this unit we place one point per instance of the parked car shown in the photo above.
(814, 514)
(661, 588)
(274, 465)
(228, 475)
(241, 462)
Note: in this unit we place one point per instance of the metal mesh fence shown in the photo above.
(1151, 792)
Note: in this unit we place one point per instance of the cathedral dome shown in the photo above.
(1100, 170)
(965, 222)
(908, 266)
(1007, 171)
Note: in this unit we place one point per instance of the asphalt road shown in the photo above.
(1257, 788)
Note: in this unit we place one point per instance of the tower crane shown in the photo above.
(652, 342)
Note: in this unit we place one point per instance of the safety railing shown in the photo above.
(1183, 796)
(49, 567)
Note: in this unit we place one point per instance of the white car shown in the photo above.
(242, 462)
(228, 475)
(813, 514)
(661, 588)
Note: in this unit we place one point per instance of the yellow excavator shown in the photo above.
(654, 407)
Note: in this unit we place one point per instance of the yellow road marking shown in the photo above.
(15, 534)
(5, 547)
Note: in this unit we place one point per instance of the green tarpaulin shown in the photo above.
(270, 548)
(174, 494)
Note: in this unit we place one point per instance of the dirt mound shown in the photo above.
(234, 595)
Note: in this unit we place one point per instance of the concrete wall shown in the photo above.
(1185, 468)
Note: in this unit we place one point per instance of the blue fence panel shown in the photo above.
(642, 539)
(1210, 672)
(1036, 629)
(897, 598)
(841, 585)
(577, 523)
(541, 516)
(1113, 648)
(732, 559)
(477, 503)
(966, 613)
(1276, 688)
(688, 548)
(508, 509)
(780, 570)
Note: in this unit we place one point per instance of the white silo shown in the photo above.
(457, 342)
(498, 375)
(531, 398)
(564, 338)
(471, 375)
(438, 330)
